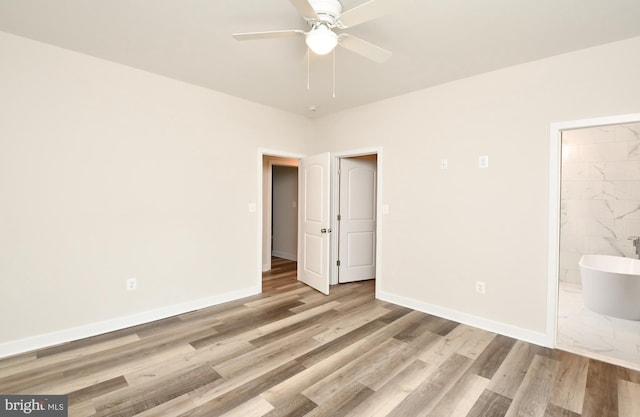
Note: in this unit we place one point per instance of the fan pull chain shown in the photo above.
(334, 73)
(308, 65)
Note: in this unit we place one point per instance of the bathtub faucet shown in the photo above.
(636, 243)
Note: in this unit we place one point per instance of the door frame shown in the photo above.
(335, 208)
(267, 228)
(261, 201)
(333, 270)
(555, 160)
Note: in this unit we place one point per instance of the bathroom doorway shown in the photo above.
(599, 208)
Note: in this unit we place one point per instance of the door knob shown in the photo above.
(323, 230)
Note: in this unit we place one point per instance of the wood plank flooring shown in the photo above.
(292, 351)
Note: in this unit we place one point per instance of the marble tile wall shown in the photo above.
(600, 194)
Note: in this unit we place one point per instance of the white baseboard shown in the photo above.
(285, 255)
(93, 329)
(515, 332)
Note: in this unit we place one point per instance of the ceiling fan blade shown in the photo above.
(370, 10)
(364, 48)
(305, 9)
(248, 36)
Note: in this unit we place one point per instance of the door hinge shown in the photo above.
(338, 263)
(339, 217)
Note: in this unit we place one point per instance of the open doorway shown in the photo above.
(279, 208)
(593, 185)
(284, 212)
(327, 264)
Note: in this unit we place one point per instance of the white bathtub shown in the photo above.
(611, 285)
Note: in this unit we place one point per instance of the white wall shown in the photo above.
(600, 200)
(107, 173)
(448, 228)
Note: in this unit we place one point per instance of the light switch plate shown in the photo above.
(483, 161)
(444, 164)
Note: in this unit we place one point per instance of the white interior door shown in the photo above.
(357, 225)
(314, 222)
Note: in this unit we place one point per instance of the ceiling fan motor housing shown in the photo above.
(328, 11)
(325, 16)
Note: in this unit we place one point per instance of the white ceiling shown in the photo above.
(433, 42)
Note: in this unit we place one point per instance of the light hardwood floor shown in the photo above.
(291, 351)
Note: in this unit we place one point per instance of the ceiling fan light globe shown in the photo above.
(321, 40)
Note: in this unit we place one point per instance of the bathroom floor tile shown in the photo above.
(582, 329)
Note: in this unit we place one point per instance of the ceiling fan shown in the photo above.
(323, 16)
